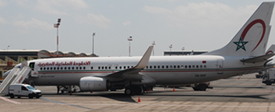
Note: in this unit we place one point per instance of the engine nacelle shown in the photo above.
(93, 84)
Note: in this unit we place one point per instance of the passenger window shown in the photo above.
(155, 67)
(193, 66)
(150, 67)
(61, 68)
(72, 68)
(99, 68)
(128, 67)
(92, 67)
(197, 66)
(171, 66)
(47, 68)
(162, 67)
(51, 68)
(189, 66)
(41, 68)
(204, 66)
(120, 67)
(80, 68)
(178, 66)
(185, 66)
(77, 68)
(54, 68)
(167, 66)
(57, 68)
(109, 67)
(84, 68)
(200, 66)
(65, 68)
(69, 68)
(106, 67)
(116, 67)
(124, 67)
(175, 66)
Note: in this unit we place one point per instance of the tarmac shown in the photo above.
(237, 94)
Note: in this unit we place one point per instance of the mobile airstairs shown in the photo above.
(16, 76)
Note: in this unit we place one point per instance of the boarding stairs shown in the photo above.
(16, 76)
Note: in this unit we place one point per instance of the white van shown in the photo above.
(23, 90)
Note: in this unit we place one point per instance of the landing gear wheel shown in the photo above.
(128, 91)
(141, 90)
(200, 87)
(30, 96)
(268, 83)
(11, 96)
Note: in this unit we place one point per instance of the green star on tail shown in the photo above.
(240, 44)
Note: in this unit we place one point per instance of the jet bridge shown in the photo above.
(16, 76)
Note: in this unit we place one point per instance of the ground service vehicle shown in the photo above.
(269, 77)
(23, 90)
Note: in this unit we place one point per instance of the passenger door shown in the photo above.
(34, 71)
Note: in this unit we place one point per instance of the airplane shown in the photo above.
(243, 54)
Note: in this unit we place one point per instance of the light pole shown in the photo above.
(153, 44)
(57, 26)
(170, 48)
(93, 52)
(8, 47)
(182, 50)
(130, 39)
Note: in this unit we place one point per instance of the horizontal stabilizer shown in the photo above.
(257, 59)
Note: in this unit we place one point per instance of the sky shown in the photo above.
(193, 24)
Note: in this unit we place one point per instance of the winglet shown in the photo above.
(145, 59)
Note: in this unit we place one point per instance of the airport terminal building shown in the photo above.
(10, 58)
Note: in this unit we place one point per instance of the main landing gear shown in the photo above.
(134, 90)
(201, 87)
(68, 89)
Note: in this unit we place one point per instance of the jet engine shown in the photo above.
(93, 84)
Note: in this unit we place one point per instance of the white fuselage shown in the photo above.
(166, 70)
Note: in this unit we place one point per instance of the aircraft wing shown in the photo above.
(133, 73)
(257, 59)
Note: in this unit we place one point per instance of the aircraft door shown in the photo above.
(34, 71)
(219, 66)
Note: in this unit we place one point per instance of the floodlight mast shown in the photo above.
(130, 39)
(57, 26)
